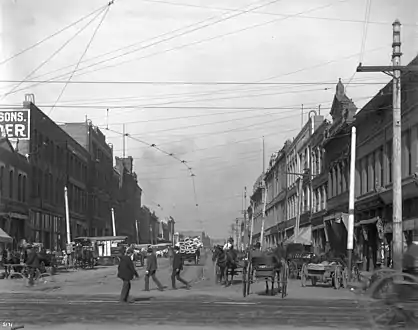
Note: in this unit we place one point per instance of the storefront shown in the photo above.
(48, 229)
(13, 223)
(335, 230)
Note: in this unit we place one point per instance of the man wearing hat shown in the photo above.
(126, 272)
(177, 268)
(229, 245)
(32, 263)
(152, 266)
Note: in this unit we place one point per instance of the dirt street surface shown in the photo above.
(88, 300)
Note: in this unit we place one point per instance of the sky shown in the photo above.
(199, 73)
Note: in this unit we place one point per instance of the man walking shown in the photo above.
(33, 264)
(177, 267)
(126, 272)
(152, 266)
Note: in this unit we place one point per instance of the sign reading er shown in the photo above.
(15, 124)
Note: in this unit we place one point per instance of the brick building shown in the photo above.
(257, 200)
(56, 159)
(100, 183)
(14, 192)
(337, 161)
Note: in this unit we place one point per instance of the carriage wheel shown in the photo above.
(244, 281)
(338, 274)
(304, 274)
(284, 280)
(392, 303)
(345, 278)
(249, 278)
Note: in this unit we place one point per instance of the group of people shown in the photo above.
(127, 271)
(28, 256)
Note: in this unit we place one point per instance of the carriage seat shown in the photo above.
(263, 262)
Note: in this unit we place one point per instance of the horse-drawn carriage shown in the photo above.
(228, 264)
(85, 253)
(297, 255)
(270, 267)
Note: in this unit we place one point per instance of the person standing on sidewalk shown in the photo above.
(126, 272)
(33, 264)
(152, 266)
(177, 267)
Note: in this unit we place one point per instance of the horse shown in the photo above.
(280, 264)
(219, 259)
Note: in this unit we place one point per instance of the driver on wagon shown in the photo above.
(229, 245)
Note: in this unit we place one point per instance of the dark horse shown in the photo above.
(278, 256)
(225, 262)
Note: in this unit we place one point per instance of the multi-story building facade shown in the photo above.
(276, 197)
(14, 192)
(56, 160)
(374, 171)
(319, 187)
(100, 175)
(257, 200)
(337, 160)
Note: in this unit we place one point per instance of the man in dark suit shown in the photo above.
(126, 272)
(32, 263)
(177, 267)
(152, 266)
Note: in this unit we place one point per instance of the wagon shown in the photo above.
(392, 300)
(264, 268)
(193, 257)
(334, 273)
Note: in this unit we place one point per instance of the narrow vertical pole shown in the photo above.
(252, 224)
(107, 119)
(67, 215)
(264, 157)
(113, 221)
(124, 142)
(350, 229)
(299, 206)
(319, 110)
(245, 243)
(301, 117)
(397, 161)
(263, 221)
(137, 232)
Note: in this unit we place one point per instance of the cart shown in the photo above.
(191, 256)
(264, 268)
(333, 272)
(296, 255)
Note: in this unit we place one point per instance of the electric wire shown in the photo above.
(82, 55)
(170, 38)
(16, 87)
(51, 36)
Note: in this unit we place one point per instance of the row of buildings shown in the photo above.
(307, 180)
(39, 157)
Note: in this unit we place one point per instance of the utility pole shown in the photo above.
(350, 229)
(245, 218)
(395, 72)
(124, 141)
(264, 157)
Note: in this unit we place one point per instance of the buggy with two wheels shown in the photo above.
(265, 268)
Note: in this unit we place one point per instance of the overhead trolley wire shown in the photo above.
(170, 38)
(82, 55)
(15, 88)
(52, 35)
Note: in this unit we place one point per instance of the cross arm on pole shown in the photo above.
(387, 68)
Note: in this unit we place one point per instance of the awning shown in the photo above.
(4, 238)
(304, 237)
(367, 222)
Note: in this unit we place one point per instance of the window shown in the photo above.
(11, 184)
(24, 189)
(19, 187)
(1, 179)
(381, 174)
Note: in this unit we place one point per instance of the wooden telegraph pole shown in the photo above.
(395, 72)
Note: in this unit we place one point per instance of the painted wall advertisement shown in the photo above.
(15, 124)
